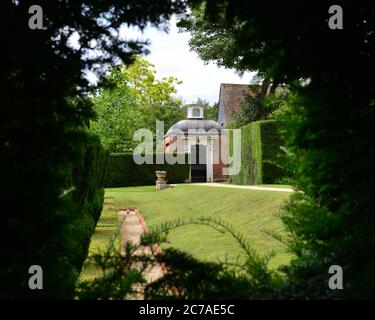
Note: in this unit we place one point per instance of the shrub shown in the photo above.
(123, 171)
(260, 150)
(52, 226)
(332, 220)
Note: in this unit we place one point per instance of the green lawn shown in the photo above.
(106, 231)
(287, 186)
(249, 211)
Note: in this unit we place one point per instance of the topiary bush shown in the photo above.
(260, 151)
(123, 171)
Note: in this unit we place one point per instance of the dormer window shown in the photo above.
(195, 111)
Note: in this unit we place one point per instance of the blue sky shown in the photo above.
(171, 56)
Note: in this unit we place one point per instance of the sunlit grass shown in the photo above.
(251, 212)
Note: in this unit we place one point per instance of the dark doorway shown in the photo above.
(198, 164)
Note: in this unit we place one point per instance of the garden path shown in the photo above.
(131, 229)
(224, 185)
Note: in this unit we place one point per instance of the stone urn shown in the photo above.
(161, 175)
(161, 182)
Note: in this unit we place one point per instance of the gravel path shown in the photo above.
(131, 229)
(222, 185)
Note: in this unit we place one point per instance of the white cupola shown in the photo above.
(195, 111)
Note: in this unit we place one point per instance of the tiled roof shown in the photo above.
(230, 96)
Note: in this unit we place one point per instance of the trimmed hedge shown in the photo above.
(87, 178)
(56, 199)
(122, 171)
(260, 148)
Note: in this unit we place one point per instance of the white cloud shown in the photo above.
(171, 56)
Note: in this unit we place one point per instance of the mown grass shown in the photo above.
(105, 233)
(287, 186)
(251, 212)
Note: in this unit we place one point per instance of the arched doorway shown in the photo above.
(198, 166)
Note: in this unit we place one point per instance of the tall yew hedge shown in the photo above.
(260, 150)
(88, 195)
(55, 239)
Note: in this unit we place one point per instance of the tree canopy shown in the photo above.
(44, 121)
(328, 120)
(134, 99)
(327, 126)
(287, 42)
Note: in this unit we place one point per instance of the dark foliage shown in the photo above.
(88, 178)
(328, 134)
(328, 129)
(189, 278)
(122, 171)
(57, 242)
(42, 139)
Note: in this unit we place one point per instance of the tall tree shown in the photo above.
(156, 97)
(328, 127)
(44, 119)
(134, 100)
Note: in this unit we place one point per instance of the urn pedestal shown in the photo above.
(161, 182)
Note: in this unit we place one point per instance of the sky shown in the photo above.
(171, 56)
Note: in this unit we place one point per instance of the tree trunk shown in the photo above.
(273, 87)
(262, 95)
